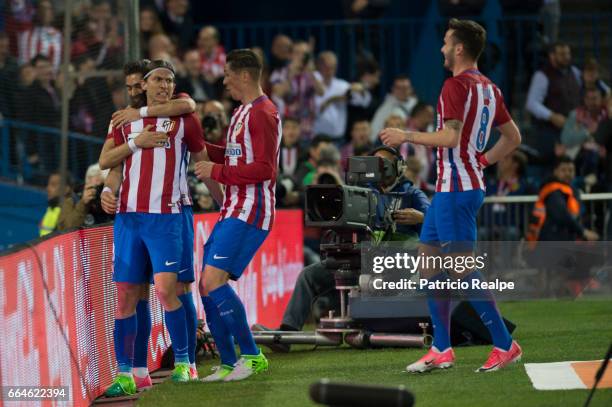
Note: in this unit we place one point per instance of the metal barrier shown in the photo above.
(18, 139)
(506, 217)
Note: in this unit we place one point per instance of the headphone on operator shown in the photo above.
(399, 165)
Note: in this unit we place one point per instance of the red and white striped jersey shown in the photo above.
(152, 177)
(45, 41)
(248, 164)
(183, 183)
(474, 100)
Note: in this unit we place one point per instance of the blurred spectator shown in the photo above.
(202, 200)
(591, 78)
(280, 52)
(43, 38)
(214, 122)
(328, 167)
(505, 220)
(91, 104)
(19, 16)
(363, 99)
(8, 73)
(458, 8)
(400, 101)
(582, 122)
(364, 9)
(331, 106)
(178, 23)
(422, 119)
(212, 54)
(118, 94)
(85, 209)
(150, 25)
(550, 13)
(162, 48)
(193, 82)
(44, 108)
(603, 136)
(49, 221)
(554, 92)
(560, 218)
(307, 169)
(290, 152)
(360, 139)
(294, 87)
(102, 45)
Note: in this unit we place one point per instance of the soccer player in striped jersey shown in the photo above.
(112, 157)
(469, 106)
(149, 225)
(247, 166)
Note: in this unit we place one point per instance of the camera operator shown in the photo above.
(316, 283)
(85, 209)
(214, 122)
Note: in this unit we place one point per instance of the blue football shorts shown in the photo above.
(232, 245)
(145, 242)
(450, 221)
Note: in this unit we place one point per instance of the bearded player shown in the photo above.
(469, 106)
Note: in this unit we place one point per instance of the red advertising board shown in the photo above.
(57, 303)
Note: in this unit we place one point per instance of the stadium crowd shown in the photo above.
(325, 118)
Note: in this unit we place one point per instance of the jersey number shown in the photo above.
(482, 132)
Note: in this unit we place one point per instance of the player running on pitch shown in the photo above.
(247, 166)
(469, 106)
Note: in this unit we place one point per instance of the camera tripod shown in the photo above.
(343, 259)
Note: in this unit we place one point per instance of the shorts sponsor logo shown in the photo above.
(217, 257)
(170, 263)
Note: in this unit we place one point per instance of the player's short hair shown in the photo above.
(245, 59)
(158, 64)
(469, 33)
(132, 67)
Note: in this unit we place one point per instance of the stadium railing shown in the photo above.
(58, 303)
(507, 217)
(83, 150)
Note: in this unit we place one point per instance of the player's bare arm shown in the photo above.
(174, 107)
(112, 183)
(447, 137)
(112, 155)
(509, 140)
(203, 161)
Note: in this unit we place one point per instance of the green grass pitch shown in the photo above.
(548, 331)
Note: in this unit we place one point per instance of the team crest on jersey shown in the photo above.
(237, 128)
(168, 125)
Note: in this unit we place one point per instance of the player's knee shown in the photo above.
(165, 292)
(127, 297)
(182, 288)
(212, 279)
